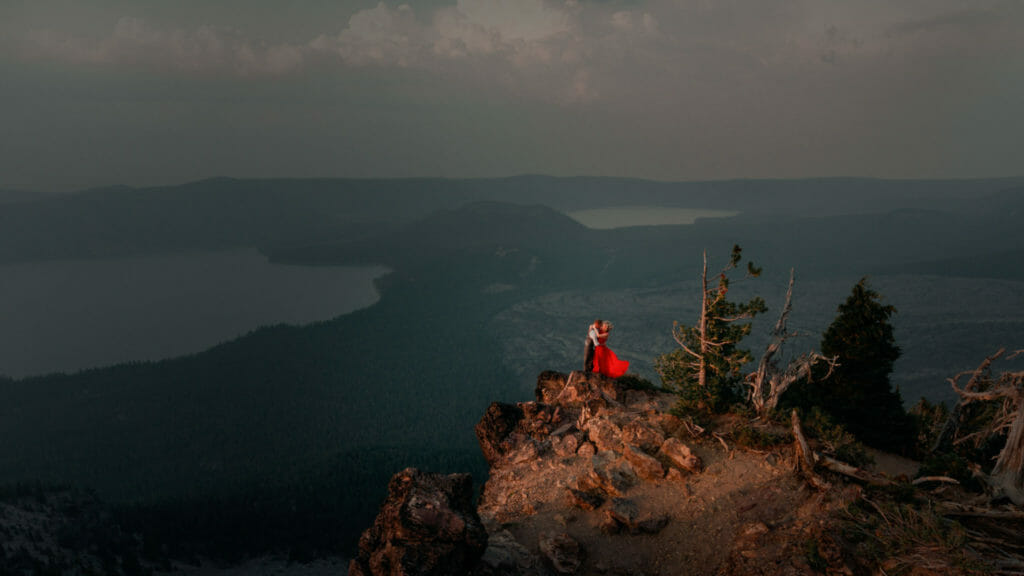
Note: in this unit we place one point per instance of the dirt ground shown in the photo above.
(745, 513)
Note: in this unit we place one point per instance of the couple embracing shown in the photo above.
(597, 356)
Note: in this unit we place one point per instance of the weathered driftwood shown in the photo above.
(1007, 477)
(769, 382)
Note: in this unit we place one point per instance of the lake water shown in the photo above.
(69, 315)
(623, 216)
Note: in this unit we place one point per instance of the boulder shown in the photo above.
(645, 465)
(585, 498)
(638, 432)
(586, 450)
(611, 474)
(427, 526)
(566, 446)
(674, 475)
(539, 419)
(562, 551)
(573, 390)
(623, 511)
(526, 450)
(549, 385)
(680, 455)
(497, 423)
(507, 557)
(624, 515)
(604, 434)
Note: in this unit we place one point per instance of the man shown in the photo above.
(592, 342)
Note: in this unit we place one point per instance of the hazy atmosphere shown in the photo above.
(256, 257)
(148, 92)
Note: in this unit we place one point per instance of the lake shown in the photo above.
(623, 216)
(69, 315)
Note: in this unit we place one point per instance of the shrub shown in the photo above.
(835, 439)
(750, 437)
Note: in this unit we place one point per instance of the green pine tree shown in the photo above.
(706, 369)
(858, 393)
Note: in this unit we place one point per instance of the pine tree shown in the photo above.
(706, 369)
(858, 393)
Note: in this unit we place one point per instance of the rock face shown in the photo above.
(591, 416)
(427, 526)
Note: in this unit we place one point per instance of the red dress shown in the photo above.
(606, 362)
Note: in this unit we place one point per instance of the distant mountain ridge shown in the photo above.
(280, 214)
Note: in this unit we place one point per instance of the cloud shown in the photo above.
(134, 41)
(378, 36)
(961, 21)
(570, 51)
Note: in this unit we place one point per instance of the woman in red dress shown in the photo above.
(605, 361)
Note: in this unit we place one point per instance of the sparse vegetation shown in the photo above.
(901, 537)
(706, 369)
(750, 436)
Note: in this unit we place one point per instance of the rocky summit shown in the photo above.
(596, 478)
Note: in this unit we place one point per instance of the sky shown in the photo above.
(157, 92)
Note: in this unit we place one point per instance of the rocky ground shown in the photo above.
(727, 510)
(593, 478)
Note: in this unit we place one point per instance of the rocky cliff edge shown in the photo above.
(595, 478)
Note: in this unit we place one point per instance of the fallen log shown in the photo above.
(956, 509)
(853, 472)
(926, 479)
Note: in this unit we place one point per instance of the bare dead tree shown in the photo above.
(699, 357)
(1007, 389)
(978, 377)
(769, 381)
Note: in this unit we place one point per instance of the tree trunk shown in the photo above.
(804, 455)
(1008, 474)
(705, 347)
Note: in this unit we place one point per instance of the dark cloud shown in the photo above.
(152, 92)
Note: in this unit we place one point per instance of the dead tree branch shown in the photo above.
(1007, 477)
(951, 427)
(769, 382)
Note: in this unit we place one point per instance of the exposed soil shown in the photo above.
(746, 512)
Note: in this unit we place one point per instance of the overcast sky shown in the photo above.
(146, 92)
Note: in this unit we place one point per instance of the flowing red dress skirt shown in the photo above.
(607, 363)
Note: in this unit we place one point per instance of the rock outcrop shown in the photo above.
(426, 527)
(594, 478)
